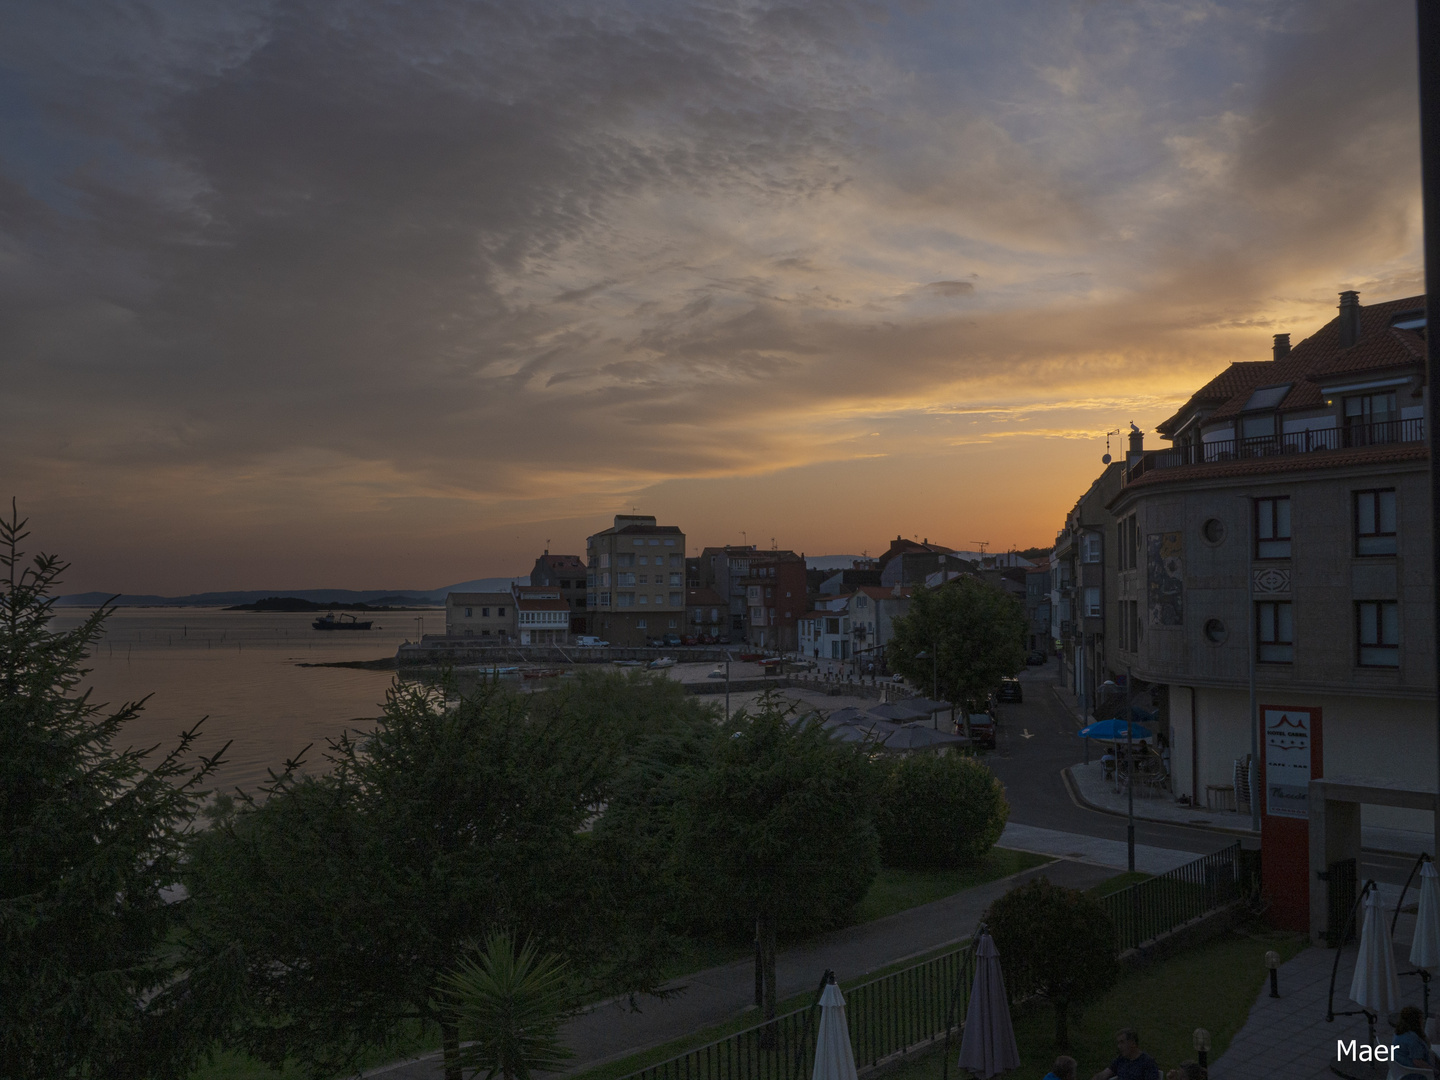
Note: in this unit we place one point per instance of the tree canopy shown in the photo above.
(355, 892)
(939, 811)
(778, 828)
(91, 836)
(971, 634)
(1055, 943)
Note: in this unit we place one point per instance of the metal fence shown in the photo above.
(886, 1015)
(1291, 442)
(1159, 904)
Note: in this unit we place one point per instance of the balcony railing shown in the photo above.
(1292, 442)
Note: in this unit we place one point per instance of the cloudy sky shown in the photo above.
(367, 294)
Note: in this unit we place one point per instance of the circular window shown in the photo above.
(1213, 530)
(1215, 631)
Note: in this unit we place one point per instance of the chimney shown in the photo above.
(1137, 443)
(1349, 318)
(1282, 345)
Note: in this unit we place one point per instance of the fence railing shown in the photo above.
(886, 1015)
(1291, 442)
(1159, 904)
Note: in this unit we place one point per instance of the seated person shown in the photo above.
(1132, 1064)
(1063, 1069)
(1411, 1049)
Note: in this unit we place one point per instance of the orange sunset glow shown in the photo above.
(374, 297)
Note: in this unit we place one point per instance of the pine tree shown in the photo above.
(90, 837)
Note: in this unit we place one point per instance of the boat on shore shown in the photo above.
(542, 673)
(341, 622)
(663, 662)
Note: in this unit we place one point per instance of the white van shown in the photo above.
(587, 641)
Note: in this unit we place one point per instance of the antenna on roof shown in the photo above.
(1106, 459)
(983, 545)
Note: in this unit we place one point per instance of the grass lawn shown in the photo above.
(1213, 986)
(892, 891)
(900, 890)
(1116, 883)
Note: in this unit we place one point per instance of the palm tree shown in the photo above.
(510, 1005)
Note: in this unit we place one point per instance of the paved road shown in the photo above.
(1030, 769)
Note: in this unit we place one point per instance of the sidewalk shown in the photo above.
(1093, 850)
(712, 997)
(1092, 789)
(1288, 1038)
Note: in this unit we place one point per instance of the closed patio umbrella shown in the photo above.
(870, 730)
(1425, 950)
(834, 1059)
(1375, 986)
(847, 715)
(988, 1046)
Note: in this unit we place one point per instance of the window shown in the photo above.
(469, 613)
(1123, 624)
(604, 580)
(1134, 625)
(675, 599)
(669, 543)
(1275, 632)
(644, 561)
(484, 612)
(625, 599)
(832, 626)
(1215, 631)
(644, 579)
(624, 579)
(500, 611)
(1272, 528)
(1090, 547)
(639, 543)
(623, 560)
(674, 579)
(604, 599)
(655, 543)
(672, 624)
(1128, 548)
(1375, 522)
(676, 560)
(1378, 632)
(1213, 530)
(605, 560)
(1092, 603)
(640, 623)
(644, 598)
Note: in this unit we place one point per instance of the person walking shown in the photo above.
(1063, 1069)
(1131, 1063)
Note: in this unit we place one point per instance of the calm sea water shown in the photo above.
(242, 670)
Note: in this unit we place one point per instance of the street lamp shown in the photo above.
(934, 659)
(1202, 1047)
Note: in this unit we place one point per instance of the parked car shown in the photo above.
(982, 730)
(671, 640)
(1036, 658)
(1010, 690)
(589, 641)
(690, 639)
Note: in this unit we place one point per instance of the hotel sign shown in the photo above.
(1290, 745)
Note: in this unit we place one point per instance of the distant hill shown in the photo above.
(376, 597)
(831, 562)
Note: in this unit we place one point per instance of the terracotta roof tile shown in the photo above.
(1319, 357)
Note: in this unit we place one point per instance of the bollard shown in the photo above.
(1272, 961)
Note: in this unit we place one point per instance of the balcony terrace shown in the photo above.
(1351, 437)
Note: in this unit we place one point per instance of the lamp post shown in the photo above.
(1202, 1048)
(1129, 771)
(1272, 961)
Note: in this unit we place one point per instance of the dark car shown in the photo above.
(1010, 690)
(672, 640)
(982, 730)
(690, 639)
(1036, 658)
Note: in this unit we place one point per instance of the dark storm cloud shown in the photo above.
(281, 259)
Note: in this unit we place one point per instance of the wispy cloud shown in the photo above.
(469, 266)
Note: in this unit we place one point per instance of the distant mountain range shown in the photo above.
(374, 597)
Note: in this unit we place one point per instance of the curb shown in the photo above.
(1079, 799)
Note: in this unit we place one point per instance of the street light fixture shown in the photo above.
(1202, 1047)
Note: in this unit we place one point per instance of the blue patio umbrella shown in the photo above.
(1115, 731)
